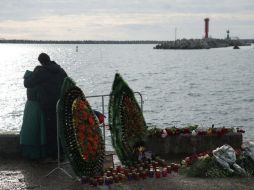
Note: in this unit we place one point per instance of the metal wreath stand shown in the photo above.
(59, 164)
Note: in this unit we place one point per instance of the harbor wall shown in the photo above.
(187, 144)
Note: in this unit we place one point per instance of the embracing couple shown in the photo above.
(39, 129)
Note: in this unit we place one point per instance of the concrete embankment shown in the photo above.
(171, 145)
(187, 144)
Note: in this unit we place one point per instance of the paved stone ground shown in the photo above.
(20, 174)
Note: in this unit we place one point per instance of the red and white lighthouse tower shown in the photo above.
(206, 27)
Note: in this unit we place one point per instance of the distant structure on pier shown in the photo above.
(228, 38)
(206, 27)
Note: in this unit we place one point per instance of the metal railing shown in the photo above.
(103, 106)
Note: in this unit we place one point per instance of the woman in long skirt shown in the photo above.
(33, 133)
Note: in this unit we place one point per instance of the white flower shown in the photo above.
(183, 162)
(194, 133)
(164, 133)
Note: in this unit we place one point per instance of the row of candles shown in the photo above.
(137, 172)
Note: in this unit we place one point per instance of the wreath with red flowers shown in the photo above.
(82, 137)
(86, 129)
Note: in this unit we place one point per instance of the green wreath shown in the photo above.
(126, 121)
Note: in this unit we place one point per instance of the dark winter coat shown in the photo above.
(50, 77)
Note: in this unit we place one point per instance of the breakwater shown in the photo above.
(200, 44)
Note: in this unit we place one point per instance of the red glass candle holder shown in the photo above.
(144, 175)
(164, 172)
(169, 169)
(158, 173)
(109, 173)
(175, 167)
(151, 173)
(100, 181)
(111, 169)
(118, 169)
(136, 176)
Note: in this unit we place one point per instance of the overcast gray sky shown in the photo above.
(124, 19)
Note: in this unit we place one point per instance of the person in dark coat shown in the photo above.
(50, 76)
(33, 130)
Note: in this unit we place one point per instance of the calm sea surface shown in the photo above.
(179, 87)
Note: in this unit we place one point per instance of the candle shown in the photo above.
(84, 179)
(163, 163)
(93, 182)
(175, 167)
(119, 177)
(164, 172)
(118, 169)
(151, 173)
(136, 176)
(111, 180)
(116, 179)
(130, 176)
(158, 173)
(144, 175)
(109, 173)
(169, 169)
(100, 180)
(126, 171)
(106, 180)
(147, 172)
(124, 178)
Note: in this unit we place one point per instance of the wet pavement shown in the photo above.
(19, 174)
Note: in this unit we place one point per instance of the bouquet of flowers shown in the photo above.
(221, 162)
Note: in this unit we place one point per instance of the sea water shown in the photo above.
(179, 87)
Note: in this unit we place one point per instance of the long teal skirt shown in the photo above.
(33, 133)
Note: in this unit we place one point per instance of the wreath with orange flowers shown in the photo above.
(82, 137)
(85, 126)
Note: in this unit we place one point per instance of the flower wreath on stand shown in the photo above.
(80, 133)
(127, 124)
